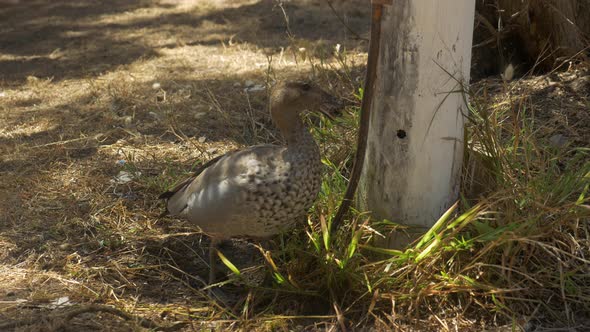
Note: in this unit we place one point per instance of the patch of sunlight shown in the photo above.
(127, 17)
(168, 7)
(27, 129)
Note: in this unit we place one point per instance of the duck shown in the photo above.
(263, 190)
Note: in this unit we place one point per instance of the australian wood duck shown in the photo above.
(262, 190)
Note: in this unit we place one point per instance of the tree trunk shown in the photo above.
(415, 145)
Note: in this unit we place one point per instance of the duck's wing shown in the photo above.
(218, 181)
(181, 186)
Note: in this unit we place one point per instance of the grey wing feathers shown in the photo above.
(185, 183)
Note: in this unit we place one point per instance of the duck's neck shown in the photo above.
(300, 138)
(297, 136)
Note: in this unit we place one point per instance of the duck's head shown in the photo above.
(288, 99)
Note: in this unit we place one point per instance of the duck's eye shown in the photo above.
(306, 86)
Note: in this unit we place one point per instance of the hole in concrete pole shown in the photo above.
(401, 133)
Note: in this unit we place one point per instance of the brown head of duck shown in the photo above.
(290, 98)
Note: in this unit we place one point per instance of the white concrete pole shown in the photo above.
(412, 167)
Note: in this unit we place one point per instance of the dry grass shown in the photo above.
(158, 85)
(154, 88)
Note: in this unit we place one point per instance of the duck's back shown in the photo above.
(256, 192)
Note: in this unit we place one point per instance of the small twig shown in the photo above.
(114, 311)
(286, 17)
(69, 315)
(340, 317)
(61, 142)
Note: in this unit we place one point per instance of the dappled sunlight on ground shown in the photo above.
(105, 104)
(150, 88)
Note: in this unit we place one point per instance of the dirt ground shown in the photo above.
(92, 92)
(91, 89)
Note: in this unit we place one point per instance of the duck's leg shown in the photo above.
(212, 253)
(214, 292)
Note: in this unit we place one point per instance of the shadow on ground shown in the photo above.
(77, 39)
